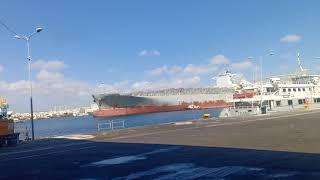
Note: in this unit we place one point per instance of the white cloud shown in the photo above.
(152, 52)
(192, 69)
(19, 87)
(142, 85)
(117, 87)
(188, 70)
(1, 68)
(175, 69)
(290, 38)
(55, 65)
(46, 94)
(125, 86)
(50, 88)
(164, 70)
(158, 71)
(240, 66)
(111, 70)
(219, 59)
(184, 82)
(45, 75)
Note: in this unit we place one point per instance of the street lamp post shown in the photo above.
(27, 40)
(261, 84)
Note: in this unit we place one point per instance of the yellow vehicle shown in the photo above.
(206, 116)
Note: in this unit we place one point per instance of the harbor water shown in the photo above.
(88, 124)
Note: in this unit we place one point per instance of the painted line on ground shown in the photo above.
(75, 136)
(129, 158)
(190, 171)
(44, 148)
(46, 154)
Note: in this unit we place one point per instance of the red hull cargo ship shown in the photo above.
(160, 101)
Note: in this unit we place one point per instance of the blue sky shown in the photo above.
(136, 45)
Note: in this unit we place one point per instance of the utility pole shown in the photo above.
(27, 40)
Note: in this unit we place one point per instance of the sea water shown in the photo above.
(88, 124)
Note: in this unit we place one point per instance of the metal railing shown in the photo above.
(110, 125)
(243, 110)
(245, 107)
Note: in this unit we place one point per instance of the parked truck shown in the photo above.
(7, 135)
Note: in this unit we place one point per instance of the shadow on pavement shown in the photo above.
(80, 159)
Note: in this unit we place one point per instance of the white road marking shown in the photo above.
(127, 159)
(119, 160)
(283, 175)
(45, 154)
(183, 123)
(44, 148)
(75, 136)
(168, 168)
(189, 171)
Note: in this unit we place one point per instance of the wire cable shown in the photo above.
(8, 28)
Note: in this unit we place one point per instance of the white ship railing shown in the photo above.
(243, 110)
(111, 125)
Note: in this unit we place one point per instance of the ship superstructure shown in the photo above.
(282, 90)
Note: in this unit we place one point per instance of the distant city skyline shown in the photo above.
(142, 45)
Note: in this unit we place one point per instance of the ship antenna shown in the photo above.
(299, 63)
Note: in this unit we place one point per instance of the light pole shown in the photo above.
(271, 53)
(253, 79)
(27, 40)
(253, 72)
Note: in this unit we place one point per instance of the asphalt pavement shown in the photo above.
(280, 146)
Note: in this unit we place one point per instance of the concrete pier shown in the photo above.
(277, 146)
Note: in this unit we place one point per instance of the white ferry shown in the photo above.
(279, 91)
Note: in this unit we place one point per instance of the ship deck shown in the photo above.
(282, 145)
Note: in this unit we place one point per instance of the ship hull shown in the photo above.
(163, 101)
(113, 112)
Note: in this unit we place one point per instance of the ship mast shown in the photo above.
(299, 63)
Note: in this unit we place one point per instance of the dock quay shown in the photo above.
(269, 146)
